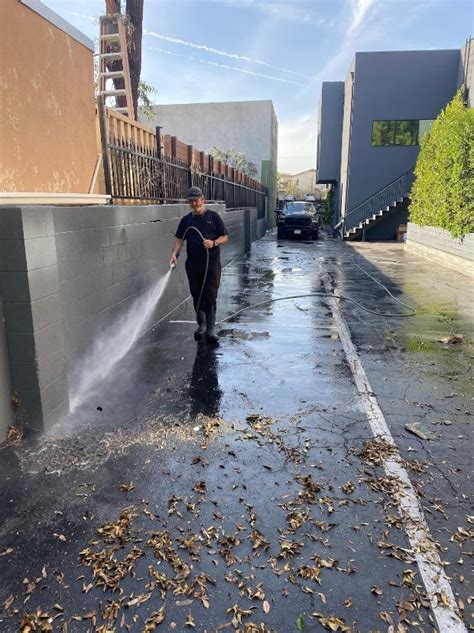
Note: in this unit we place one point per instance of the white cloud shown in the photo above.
(360, 10)
(91, 18)
(361, 14)
(300, 11)
(226, 66)
(216, 51)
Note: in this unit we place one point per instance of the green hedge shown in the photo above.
(443, 192)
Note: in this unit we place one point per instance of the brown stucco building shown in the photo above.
(47, 127)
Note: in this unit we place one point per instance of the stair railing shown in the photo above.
(394, 191)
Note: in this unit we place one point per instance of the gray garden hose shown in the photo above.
(412, 311)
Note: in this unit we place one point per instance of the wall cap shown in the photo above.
(37, 197)
(48, 14)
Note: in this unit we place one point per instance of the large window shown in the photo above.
(391, 133)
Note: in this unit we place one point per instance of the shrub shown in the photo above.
(443, 191)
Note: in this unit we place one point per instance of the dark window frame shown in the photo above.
(393, 143)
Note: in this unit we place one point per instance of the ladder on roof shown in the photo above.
(113, 64)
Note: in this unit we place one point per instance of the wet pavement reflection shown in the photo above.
(238, 487)
(204, 391)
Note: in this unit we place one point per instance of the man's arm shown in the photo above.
(221, 231)
(208, 244)
(176, 248)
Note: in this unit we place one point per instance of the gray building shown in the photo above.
(250, 127)
(370, 127)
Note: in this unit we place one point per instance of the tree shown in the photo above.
(134, 31)
(443, 192)
(235, 159)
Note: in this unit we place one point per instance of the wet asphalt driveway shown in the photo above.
(241, 488)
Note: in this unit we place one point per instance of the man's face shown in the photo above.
(197, 205)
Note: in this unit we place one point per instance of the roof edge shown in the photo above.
(51, 16)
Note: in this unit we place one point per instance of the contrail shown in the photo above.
(216, 51)
(235, 68)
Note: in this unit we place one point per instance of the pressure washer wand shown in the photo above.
(173, 266)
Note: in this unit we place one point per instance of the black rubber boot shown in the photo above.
(201, 321)
(211, 325)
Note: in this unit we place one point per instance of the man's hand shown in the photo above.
(208, 244)
(173, 259)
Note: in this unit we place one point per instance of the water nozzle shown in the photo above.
(173, 265)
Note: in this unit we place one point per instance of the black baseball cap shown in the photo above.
(194, 193)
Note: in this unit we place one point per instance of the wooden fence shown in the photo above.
(142, 165)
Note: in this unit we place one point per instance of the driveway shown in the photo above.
(247, 487)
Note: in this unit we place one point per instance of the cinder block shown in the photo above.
(30, 408)
(12, 255)
(64, 245)
(40, 252)
(30, 376)
(21, 346)
(76, 289)
(49, 339)
(68, 218)
(18, 316)
(110, 255)
(97, 216)
(11, 225)
(54, 395)
(118, 235)
(34, 221)
(14, 285)
(46, 311)
(55, 416)
(43, 282)
(69, 269)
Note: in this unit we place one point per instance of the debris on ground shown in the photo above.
(454, 339)
(14, 434)
(420, 431)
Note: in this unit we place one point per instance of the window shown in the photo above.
(383, 133)
(400, 133)
(406, 133)
(425, 127)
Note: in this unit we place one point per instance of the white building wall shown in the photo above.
(248, 126)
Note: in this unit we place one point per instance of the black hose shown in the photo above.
(206, 269)
(412, 311)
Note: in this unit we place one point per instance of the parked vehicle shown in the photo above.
(310, 197)
(290, 198)
(297, 219)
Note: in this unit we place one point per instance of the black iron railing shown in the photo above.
(393, 192)
(134, 172)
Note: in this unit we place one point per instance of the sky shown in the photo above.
(232, 50)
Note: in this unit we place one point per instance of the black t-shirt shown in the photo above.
(210, 224)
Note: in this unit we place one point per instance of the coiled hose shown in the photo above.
(411, 311)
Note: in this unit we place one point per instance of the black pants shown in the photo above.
(195, 270)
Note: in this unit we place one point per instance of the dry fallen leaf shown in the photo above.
(332, 623)
(154, 620)
(190, 621)
(452, 340)
(6, 551)
(9, 601)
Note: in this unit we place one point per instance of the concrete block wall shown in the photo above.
(29, 286)
(6, 413)
(66, 273)
(438, 245)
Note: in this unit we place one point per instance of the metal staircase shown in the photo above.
(384, 202)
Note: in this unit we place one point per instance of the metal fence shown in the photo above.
(135, 171)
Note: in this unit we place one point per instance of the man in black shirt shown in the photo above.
(204, 232)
